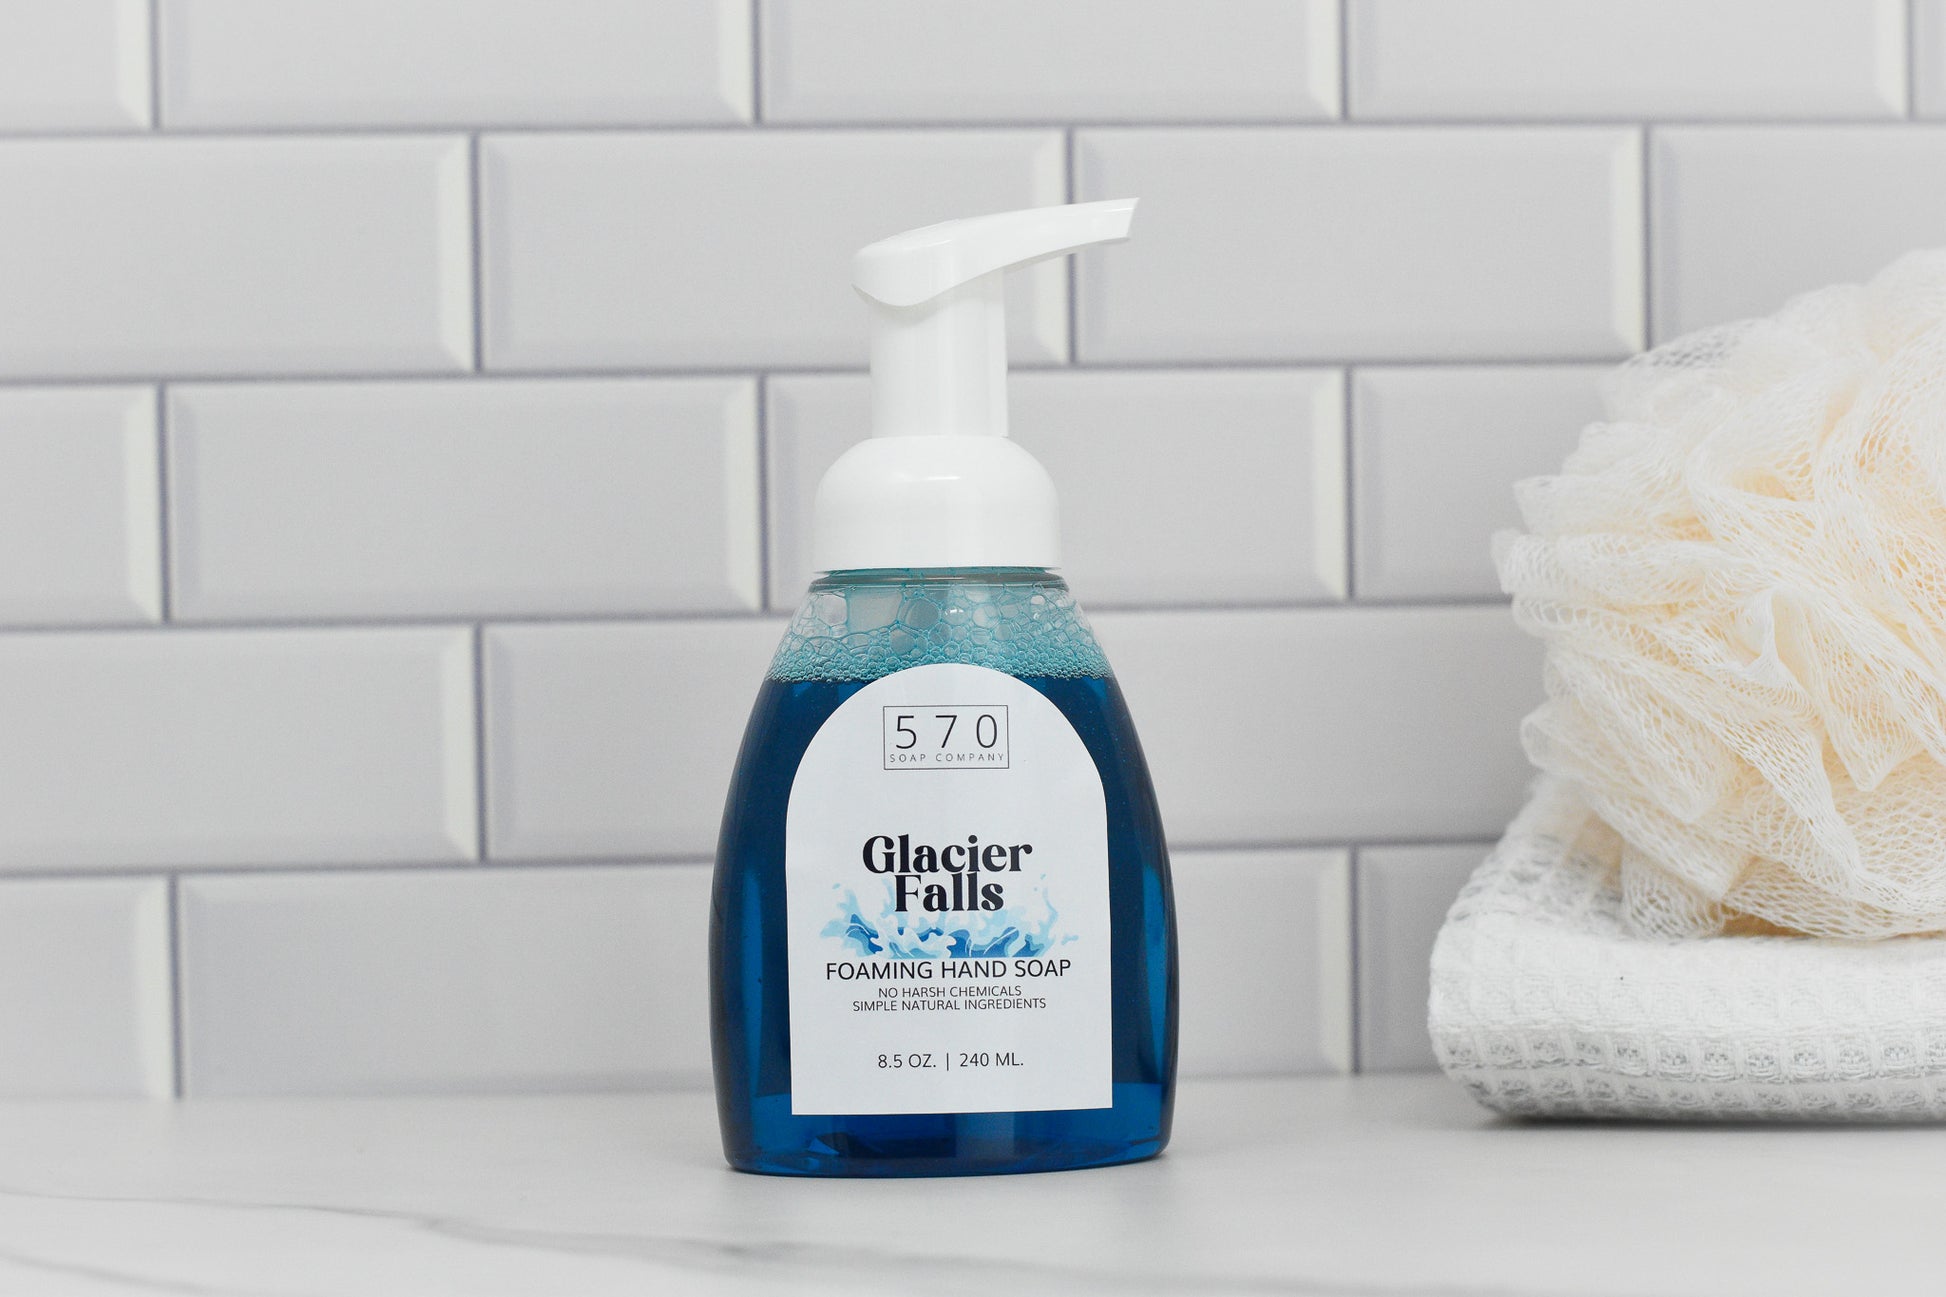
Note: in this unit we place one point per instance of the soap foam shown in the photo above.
(868, 629)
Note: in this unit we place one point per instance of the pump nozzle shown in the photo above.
(939, 484)
(938, 324)
(910, 268)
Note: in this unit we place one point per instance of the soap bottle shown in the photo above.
(942, 936)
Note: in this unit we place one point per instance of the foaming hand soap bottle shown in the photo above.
(942, 938)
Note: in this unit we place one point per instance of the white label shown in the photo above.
(946, 887)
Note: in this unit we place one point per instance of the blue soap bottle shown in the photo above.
(942, 939)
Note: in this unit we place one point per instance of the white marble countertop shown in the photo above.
(1375, 1185)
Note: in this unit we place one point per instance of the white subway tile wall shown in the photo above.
(569, 978)
(409, 411)
(710, 250)
(80, 524)
(244, 65)
(1929, 57)
(1025, 60)
(236, 747)
(1402, 895)
(74, 65)
(85, 962)
(1435, 451)
(1331, 724)
(523, 497)
(1350, 242)
(161, 257)
(1550, 59)
(1747, 217)
(1265, 1002)
(615, 738)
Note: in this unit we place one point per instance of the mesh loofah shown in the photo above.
(1545, 1003)
(1741, 581)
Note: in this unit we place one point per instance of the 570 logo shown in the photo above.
(950, 736)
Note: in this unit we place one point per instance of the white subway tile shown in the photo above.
(234, 256)
(1745, 219)
(1023, 60)
(1187, 487)
(79, 532)
(1328, 724)
(84, 988)
(1403, 895)
(445, 980)
(74, 65)
(1265, 948)
(1645, 58)
(463, 498)
(236, 747)
(723, 249)
(810, 420)
(616, 739)
(1929, 57)
(1435, 454)
(1371, 243)
(243, 63)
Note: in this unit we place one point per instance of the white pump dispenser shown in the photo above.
(939, 484)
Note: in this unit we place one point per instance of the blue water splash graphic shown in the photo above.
(1024, 929)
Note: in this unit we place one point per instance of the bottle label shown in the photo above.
(946, 885)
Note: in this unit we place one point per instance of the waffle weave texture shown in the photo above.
(1547, 1003)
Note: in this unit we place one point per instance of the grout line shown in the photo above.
(348, 623)
(1649, 238)
(1073, 263)
(645, 618)
(165, 550)
(756, 62)
(1344, 60)
(476, 224)
(1912, 59)
(1391, 602)
(155, 65)
(1343, 843)
(306, 868)
(479, 745)
(176, 1033)
(1355, 1045)
(678, 372)
(633, 860)
(763, 494)
(1351, 495)
(1566, 123)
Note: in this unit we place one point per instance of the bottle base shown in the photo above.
(768, 1139)
(812, 1164)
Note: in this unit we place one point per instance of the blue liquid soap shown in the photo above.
(856, 628)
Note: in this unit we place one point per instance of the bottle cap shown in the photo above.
(939, 484)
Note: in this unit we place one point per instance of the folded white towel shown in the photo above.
(1544, 1004)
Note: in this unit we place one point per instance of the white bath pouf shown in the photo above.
(1740, 578)
(1545, 1004)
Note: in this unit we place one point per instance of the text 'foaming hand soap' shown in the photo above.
(942, 939)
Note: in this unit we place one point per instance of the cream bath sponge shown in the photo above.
(1740, 577)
